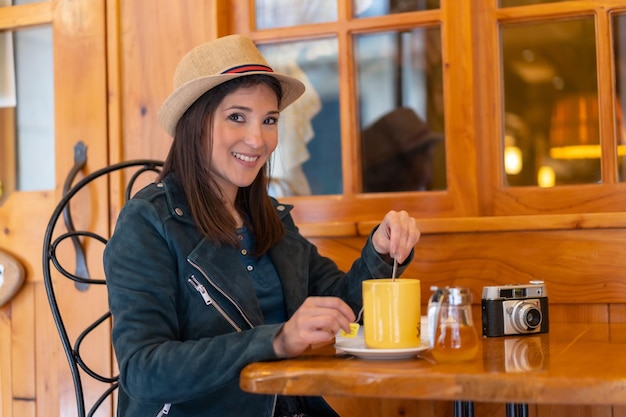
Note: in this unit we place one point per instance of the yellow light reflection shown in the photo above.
(545, 177)
(581, 152)
(512, 160)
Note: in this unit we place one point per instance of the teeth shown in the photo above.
(245, 158)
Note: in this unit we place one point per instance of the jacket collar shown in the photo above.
(221, 263)
(179, 208)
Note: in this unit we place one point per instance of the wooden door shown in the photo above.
(113, 66)
(34, 377)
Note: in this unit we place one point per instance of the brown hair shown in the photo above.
(187, 159)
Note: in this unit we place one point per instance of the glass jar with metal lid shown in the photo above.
(455, 337)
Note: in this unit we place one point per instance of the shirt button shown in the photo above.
(240, 237)
(244, 252)
(280, 208)
(160, 185)
(250, 267)
(178, 211)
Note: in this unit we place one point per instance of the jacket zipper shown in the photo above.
(200, 288)
(165, 410)
(225, 295)
(209, 301)
(274, 404)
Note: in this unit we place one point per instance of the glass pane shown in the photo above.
(401, 110)
(308, 157)
(370, 8)
(551, 125)
(512, 3)
(283, 13)
(27, 101)
(619, 39)
(35, 109)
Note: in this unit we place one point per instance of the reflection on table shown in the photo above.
(573, 364)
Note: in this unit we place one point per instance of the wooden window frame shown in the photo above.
(475, 199)
(607, 197)
(11, 18)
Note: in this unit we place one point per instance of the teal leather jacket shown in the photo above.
(186, 319)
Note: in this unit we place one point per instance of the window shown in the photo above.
(26, 98)
(495, 81)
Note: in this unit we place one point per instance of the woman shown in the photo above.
(205, 272)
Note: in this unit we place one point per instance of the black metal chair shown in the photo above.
(53, 268)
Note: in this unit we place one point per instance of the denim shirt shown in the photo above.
(186, 319)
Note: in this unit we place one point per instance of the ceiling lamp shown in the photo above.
(513, 160)
(575, 128)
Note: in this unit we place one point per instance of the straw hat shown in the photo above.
(397, 132)
(213, 63)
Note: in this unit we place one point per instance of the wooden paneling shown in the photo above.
(617, 313)
(22, 221)
(7, 150)
(578, 266)
(147, 56)
(6, 367)
(23, 352)
(52, 369)
(26, 15)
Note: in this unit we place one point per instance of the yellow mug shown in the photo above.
(391, 313)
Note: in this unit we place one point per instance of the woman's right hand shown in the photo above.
(316, 321)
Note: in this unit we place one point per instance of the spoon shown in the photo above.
(395, 269)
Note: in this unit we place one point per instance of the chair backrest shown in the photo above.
(53, 269)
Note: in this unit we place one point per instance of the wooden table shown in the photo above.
(572, 364)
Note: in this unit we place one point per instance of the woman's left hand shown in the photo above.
(396, 236)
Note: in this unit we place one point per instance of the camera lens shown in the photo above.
(533, 318)
(526, 317)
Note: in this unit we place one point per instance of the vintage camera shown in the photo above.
(515, 309)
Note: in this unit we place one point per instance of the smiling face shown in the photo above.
(245, 133)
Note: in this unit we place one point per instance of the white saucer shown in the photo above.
(356, 346)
